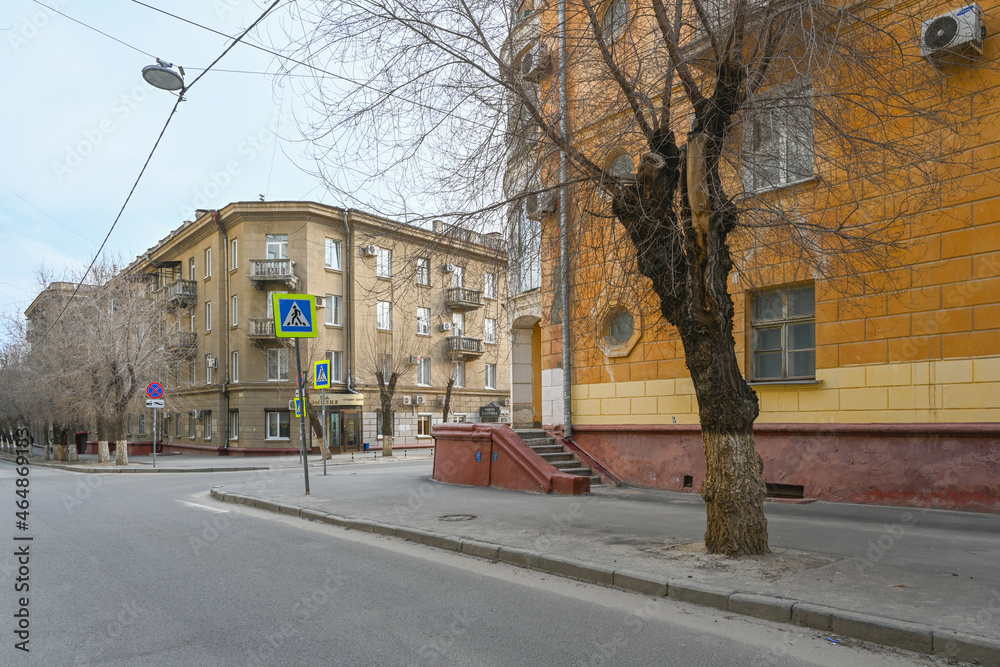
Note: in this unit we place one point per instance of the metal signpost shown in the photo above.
(321, 381)
(155, 401)
(295, 317)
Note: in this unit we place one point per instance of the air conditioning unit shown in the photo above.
(449, 268)
(536, 62)
(421, 399)
(440, 402)
(446, 326)
(414, 359)
(369, 250)
(197, 414)
(954, 36)
(211, 362)
(539, 206)
(506, 402)
(291, 405)
(407, 400)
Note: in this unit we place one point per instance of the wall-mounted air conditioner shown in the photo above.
(421, 399)
(197, 414)
(955, 36)
(414, 359)
(449, 268)
(536, 62)
(407, 400)
(506, 402)
(211, 362)
(446, 326)
(369, 250)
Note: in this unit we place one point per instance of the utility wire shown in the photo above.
(180, 98)
(90, 27)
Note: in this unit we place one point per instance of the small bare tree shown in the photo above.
(384, 359)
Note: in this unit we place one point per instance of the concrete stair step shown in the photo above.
(533, 442)
(556, 456)
(585, 472)
(547, 449)
(529, 433)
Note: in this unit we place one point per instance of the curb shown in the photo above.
(126, 471)
(906, 635)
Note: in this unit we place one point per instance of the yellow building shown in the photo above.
(892, 396)
(421, 303)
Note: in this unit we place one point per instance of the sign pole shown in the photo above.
(154, 436)
(326, 442)
(302, 413)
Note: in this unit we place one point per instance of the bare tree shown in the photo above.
(384, 358)
(794, 139)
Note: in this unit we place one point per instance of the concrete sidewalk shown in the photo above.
(923, 580)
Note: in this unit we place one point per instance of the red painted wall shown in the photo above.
(948, 466)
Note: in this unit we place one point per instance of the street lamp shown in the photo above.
(162, 76)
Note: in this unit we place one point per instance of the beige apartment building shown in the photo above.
(424, 304)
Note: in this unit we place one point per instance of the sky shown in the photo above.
(78, 122)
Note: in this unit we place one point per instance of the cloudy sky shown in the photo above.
(78, 122)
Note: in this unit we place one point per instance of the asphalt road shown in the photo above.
(137, 570)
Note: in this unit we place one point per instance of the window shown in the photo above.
(384, 315)
(490, 286)
(458, 373)
(615, 19)
(193, 323)
(276, 246)
(424, 372)
(191, 426)
(142, 425)
(423, 271)
(423, 425)
(384, 362)
(177, 426)
(191, 269)
(208, 262)
(234, 367)
(458, 276)
(491, 376)
(269, 306)
(526, 256)
(234, 312)
(383, 263)
(334, 310)
(277, 364)
(208, 369)
(620, 331)
(234, 256)
(780, 145)
(783, 334)
(208, 316)
(490, 330)
(333, 254)
(234, 424)
(424, 321)
(277, 424)
(191, 372)
(458, 324)
(336, 359)
(207, 425)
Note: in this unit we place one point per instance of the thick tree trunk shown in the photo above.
(121, 452)
(734, 494)
(103, 452)
(73, 454)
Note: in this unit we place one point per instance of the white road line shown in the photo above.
(203, 507)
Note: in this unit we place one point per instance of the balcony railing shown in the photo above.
(263, 271)
(461, 298)
(463, 347)
(260, 328)
(182, 292)
(183, 342)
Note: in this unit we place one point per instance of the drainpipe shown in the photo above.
(348, 302)
(567, 356)
(226, 320)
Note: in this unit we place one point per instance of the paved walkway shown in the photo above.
(925, 580)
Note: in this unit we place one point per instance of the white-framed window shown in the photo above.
(333, 254)
(458, 373)
(783, 334)
(269, 306)
(194, 322)
(491, 376)
(526, 255)
(384, 362)
(423, 321)
(490, 330)
(458, 276)
(334, 310)
(615, 19)
(208, 369)
(336, 359)
(458, 324)
(277, 364)
(206, 422)
(779, 148)
(192, 426)
(192, 372)
(423, 271)
(423, 425)
(383, 263)
(191, 274)
(276, 246)
(277, 422)
(234, 311)
(424, 372)
(208, 316)
(208, 262)
(384, 313)
(142, 425)
(177, 426)
(234, 424)
(489, 286)
(234, 366)
(234, 256)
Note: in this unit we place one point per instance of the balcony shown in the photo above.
(461, 299)
(265, 271)
(463, 348)
(182, 293)
(261, 329)
(182, 342)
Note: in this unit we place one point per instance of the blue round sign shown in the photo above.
(154, 390)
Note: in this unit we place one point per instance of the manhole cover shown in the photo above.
(457, 517)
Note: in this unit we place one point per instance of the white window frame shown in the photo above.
(424, 419)
(458, 373)
(383, 262)
(336, 359)
(191, 269)
(489, 286)
(208, 316)
(384, 315)
(208, 263)
(458, 276)
(423, 321)
(280, 364)
(458, 324)
(234, 315)
(234, 424)
(234, 256)
(424, 372)
(332, 254)
(272, 418)
(206, 425)
(490, 330)
(424, 271)
(491, 376)
(789, 115)
(234, 366)
(276, 245)
(334, 310)
(192, 372)
(141, 425)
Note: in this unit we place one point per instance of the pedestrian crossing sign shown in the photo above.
(295, 316)
(321, 374)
